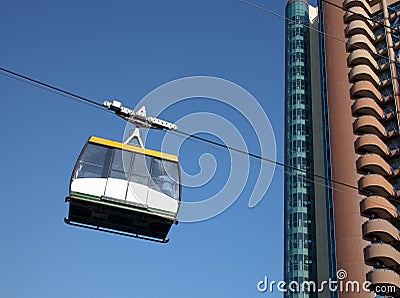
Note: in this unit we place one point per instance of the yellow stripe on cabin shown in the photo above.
(131, 148)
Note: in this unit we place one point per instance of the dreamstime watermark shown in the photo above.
(228, 113)
(340, 284)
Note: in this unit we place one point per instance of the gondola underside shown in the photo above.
(126, 221)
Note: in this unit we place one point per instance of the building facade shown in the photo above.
(342, 123)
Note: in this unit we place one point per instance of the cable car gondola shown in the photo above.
(123, 188)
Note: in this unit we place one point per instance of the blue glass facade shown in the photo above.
(300, 248)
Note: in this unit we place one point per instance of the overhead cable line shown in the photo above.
(85, 100)
(73, 96)
(294, 171)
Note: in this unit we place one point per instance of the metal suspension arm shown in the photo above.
(139, 118)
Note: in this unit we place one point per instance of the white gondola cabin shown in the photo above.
(125, 189)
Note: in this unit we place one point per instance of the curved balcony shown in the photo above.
(373, 163)
(380, 230)
(376, 184)
(358, 57)
(364, 73)
(384, 277)
(382, 255)
(365, 89)
(360, 41)
(367, 106)
(372, 144)
(369, 125)
(356, 14)
(376, 206)
(359, 27)
(360, 3)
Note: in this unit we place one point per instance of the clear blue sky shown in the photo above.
(124, 50)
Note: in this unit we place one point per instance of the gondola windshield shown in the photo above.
(98, 161)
